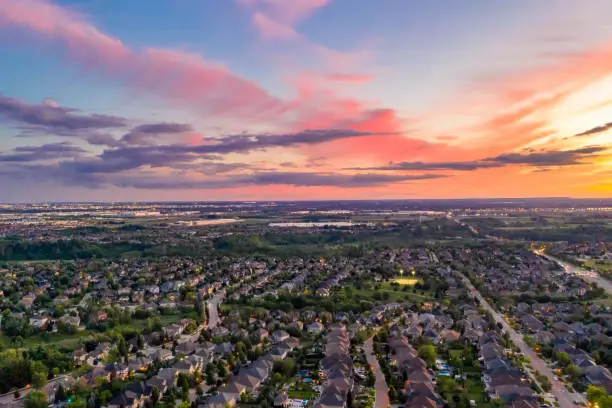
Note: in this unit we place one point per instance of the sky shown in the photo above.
(109, 100)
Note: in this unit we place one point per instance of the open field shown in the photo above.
(71, 341)
(389, 292)
(406, 281)
(544, 227)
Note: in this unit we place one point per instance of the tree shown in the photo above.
(573, 371)
(428, 353)
(60, 394)
(40, 373)
(141, 341)
(105, 397)
(594, 393)
(221, 369)
(210, 374)
(36, 399)
(155, 394)
(200, 309)
(17, 342)
(122, 347)
(563, 358)
(277, 378)
(78, 402)
(183, 382)
(241, 349)
(544, 382)
(286, 367)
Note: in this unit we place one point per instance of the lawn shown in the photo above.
(606, 300)
(472, 387)
(604, 268)
(394, 293)
(403, 281)
(469, 389)
(301, 391)
(71, 341)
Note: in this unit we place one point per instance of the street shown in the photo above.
(564, 397)
(213, 309)
(382, 394)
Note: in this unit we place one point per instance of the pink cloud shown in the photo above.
(447, 138)
(182, 77)
(350, 78)
(177, 75)
(269, 28)
(287, 12)
(276, 20)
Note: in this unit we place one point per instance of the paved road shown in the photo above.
(9, 400)
(213, 309)
(564, 397)
(382, 392)
(590, 277)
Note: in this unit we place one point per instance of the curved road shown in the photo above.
(382, 391)
(564, 397)
(590, 277)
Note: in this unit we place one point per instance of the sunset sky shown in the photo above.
(123, 100)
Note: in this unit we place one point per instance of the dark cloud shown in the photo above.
(131, 157)
(102, 139)
(550, 158)
(596, 130)
(214, 168)
(70, 173)
(123, 159)
(274, 178)
(44, 152)
(144, 134)
(163, 127)
(547, 158)
(245, 142)
(425, 166)
(51, 118)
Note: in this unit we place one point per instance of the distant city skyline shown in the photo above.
(240, 100)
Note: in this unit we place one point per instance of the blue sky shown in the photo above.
(422, 80)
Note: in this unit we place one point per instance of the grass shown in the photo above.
(603, 267)
(301, 391)
(606, 300)
(395, 295)
(71, 341)
(472, 388)
(61, 340)
(406, 281)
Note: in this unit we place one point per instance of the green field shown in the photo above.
(301, 391)
(71, 341)
(394, 294)
(404, 281)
